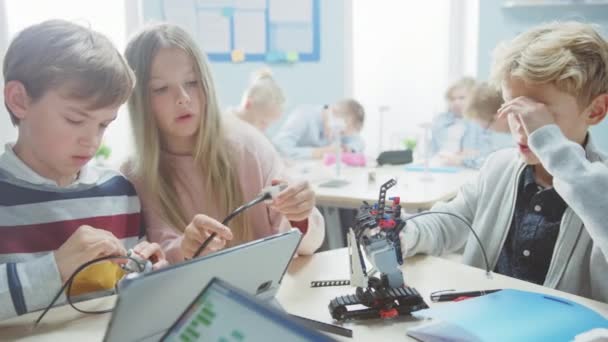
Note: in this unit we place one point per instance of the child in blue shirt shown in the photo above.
(309, 132)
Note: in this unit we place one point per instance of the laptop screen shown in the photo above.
(223, 313)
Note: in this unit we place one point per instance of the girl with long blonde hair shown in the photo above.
(191, 167)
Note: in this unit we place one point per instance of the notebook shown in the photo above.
(508, 315)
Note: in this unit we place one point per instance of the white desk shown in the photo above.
(415, 193)
(426, 274)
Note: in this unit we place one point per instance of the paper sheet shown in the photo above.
(289, 38)
(250, 31)
(182, 13)
(214, 32)
(290, 11)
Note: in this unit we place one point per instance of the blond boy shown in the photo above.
(540, 210)
(481, 107)
(63, 86)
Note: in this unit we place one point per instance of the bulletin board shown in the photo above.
(234, 31)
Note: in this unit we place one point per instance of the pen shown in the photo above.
(444, 297)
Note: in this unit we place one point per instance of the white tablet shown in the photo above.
(222, 312)
(148, 305)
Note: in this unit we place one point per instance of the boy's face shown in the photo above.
(340, 113)
(176, 96)
(562, 106)
(58, 135)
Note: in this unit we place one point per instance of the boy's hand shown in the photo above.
(296, 202)
(531, 115)
(152, 252)
(86, 244)
(201, 227)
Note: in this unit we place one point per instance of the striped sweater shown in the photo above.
(37, 217)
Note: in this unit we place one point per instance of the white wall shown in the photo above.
(107, 17)
(7, 132)
(304, 83)
(401, 52)
(497, 24)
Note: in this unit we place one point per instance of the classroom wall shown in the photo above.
(497, 24)
(304, 83)
(7, 132)
(401, 71)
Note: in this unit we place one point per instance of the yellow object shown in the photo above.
(293, 57)
(237, 56)
(97, 277)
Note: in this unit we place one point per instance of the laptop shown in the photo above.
(222, 312)
(147, 305)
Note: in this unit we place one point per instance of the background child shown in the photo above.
(189, 171)
(309, 131)
(262, 102)
(481, 107)
(539, 210)
(63, 86)
(452, 137)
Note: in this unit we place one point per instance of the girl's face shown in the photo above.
(457, 99)
(176, 98)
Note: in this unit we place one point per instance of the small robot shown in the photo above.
(376, 233)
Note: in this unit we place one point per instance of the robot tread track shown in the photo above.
(404, 300)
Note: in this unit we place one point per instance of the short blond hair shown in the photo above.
(466, 83)
(55, 53)
(483, 102)
(570, 55)
(264, 89)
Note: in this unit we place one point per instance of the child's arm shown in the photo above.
(273, 171)
(286, 140)
(31, 285)
(297, 206)
(438, 234)
(28, 286)
(582, 184)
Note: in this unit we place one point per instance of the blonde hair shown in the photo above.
(264, 89)
(210, 153)
(353, 110)
(55, 53)
(483, 102)
(570, 55)
(466, 83)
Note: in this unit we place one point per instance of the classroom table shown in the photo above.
(426, 273)
(418, 190)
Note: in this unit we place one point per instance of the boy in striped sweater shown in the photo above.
(63, 86)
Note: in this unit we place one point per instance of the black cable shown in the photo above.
(260, 198)
(483, 250)
(69, 282)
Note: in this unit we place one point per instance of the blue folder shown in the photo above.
(508, 315)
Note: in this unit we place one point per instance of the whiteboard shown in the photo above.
(272, 31)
